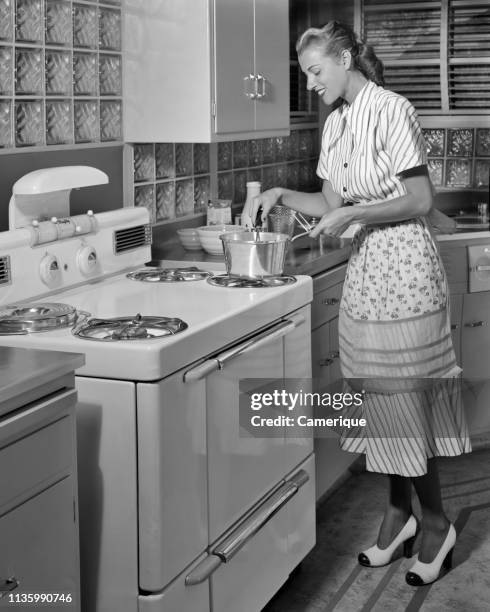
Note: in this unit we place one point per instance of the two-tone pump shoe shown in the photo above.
(377, 557)
(425, 573)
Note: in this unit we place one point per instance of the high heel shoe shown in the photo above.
(425, 573)
(377, 557)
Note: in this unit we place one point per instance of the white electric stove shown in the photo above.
(178, 509)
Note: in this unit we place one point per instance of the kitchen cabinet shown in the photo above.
(38, 484)
(331, 461)
(470, 328)
(475, 345)
(205, 71)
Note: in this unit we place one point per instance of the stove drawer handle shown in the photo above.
(232, 544)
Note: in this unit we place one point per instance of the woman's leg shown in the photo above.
(434, 521)
(398, 509)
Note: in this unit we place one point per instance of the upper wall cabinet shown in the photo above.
(436, 53)
(205, 71)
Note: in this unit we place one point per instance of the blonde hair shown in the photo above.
(333, 38)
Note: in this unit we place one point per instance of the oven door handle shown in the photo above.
(217, 363)
(227, 548)
(283, 328)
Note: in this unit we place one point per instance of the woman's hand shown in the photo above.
(334, 223)
(266, 200)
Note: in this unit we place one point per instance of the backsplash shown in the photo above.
(60, 72)
(175, 180)
(459, 157)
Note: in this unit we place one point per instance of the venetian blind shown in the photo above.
(436, 53)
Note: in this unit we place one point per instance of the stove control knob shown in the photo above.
(87, 260)
(50, 270)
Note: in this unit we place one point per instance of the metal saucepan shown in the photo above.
(256, 254)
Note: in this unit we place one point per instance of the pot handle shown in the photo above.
(300, 235)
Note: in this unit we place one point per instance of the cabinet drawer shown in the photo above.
(35, 459)
(40, 547)
(325, 305)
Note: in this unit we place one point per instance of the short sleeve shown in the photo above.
(403, 138)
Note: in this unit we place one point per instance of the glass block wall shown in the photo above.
(60, 72)
(175, 180)
(459, 158)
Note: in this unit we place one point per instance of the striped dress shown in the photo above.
(394, 331)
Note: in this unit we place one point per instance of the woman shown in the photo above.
(395, 339)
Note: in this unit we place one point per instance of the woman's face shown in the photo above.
(326, 75)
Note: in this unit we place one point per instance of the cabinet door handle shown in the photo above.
(454, 326)
(476, 324)
(325, 362)
(482, 268)
(330, 301)
(250, 86)
(261, 86)
(7, 585)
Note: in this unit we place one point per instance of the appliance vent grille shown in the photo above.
(131, 238)
(4, 270)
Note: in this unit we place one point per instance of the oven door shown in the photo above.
(242, 469)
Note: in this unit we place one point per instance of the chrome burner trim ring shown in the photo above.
(240, 282)
(168, 275)
(129, 328)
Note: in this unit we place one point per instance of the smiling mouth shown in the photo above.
(320, 92)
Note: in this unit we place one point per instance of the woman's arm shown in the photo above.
(312, 204)
(417, 202)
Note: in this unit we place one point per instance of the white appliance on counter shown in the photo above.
(178, 512)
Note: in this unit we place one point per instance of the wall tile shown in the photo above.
(435, 142)
(5, 123)
(293, 145)
(110, 120)
(225, 155)
(183, 159)
(165, 201)
(6, 80)
(281, 175)
(144, 162)
(293, 176)
(436, 171)
(240, 154)
(482, 170)
(254, 174)
(184, 197)
(202, 193)
(459, 142)
(164, 160)
(59, 122)
(201, 158)
(458, 173)
(29, 123)
(280, 149)
(145, 196)
(6, 19)
(255, 152)
(268, 151)
(482, 142)
(225, 185)
(269, 178)
(240, 186)
(87, 121)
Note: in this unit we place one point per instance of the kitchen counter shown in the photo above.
(305, 256)
(22, 370)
